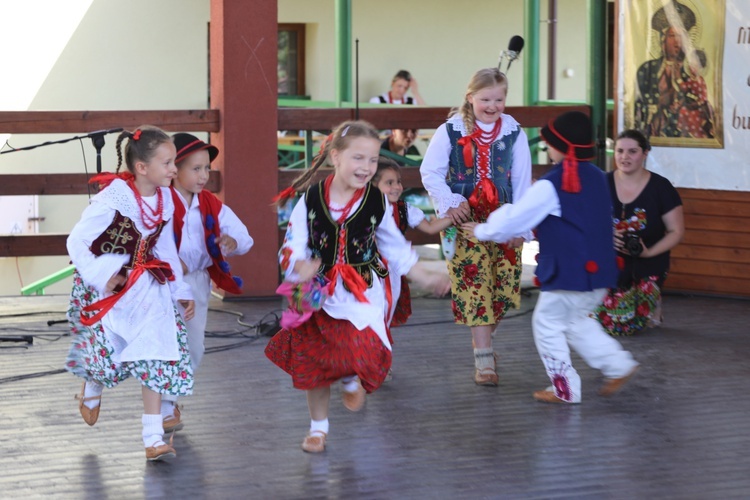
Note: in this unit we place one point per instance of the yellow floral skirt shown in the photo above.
(485, 281)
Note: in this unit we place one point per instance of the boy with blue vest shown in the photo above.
(571, 210)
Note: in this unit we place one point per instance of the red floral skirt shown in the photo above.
(403, 306)
(322, 350)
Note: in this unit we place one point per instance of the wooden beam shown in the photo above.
(48, 184)
(33, 245)
(405, 116)
(243, 66)
(71, 122)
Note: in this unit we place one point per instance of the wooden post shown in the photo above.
(243, 79)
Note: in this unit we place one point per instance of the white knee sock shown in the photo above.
(319, 426)
(92, 389)
(152, 432)
(484, 358)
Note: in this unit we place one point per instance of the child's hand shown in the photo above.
(227, 244)
(115, 281)
(439, 283)
(459, 214)
(468, 227)
(189, 306)
(515, 242)
(306, 269)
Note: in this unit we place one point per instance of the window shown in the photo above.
(291, 65)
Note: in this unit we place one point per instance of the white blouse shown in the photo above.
(141, 325)
(343, 305)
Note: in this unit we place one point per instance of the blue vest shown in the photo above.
(576, 250)
(461, 178)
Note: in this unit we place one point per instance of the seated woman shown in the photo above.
(401, 142)
(401, 83)
(648, 220)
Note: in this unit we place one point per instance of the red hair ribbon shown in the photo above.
(283, 196)
(136, 135)
(105, 178)
(468, 150)
(570, 180)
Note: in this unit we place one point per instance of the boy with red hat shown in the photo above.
(205, 231)
(571, 210)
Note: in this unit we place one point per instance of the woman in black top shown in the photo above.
(648, 220)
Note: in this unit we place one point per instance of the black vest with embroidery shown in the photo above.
(361, 250)
(123, 238)
(403, 215)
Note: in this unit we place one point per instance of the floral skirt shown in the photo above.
(626, 311)
(485, 281)
(323, 350)
(403, 306)
(90, 354)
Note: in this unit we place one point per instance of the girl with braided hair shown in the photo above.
(477, 161)
(128, 287)
(342, 241)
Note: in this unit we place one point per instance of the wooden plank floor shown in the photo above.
(679, 430)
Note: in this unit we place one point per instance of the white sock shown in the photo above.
(167, 408)
(484, 358)
(153, 431)
(319, 426)
(92, 389)
(351, 386)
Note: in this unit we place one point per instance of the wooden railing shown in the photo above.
(44, 122)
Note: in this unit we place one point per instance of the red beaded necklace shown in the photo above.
(344, 214)
(483, 140)
(155, 217)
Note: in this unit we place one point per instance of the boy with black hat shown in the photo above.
(205, 231)
(571, 210)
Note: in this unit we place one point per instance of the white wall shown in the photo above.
(132, 55)
(442, 42)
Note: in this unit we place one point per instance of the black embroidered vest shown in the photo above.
(401, 214)
(123, 238)
(361, 250)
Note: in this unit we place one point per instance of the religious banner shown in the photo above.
(684, 81)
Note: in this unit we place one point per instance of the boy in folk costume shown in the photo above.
(571, 209)
(205, 231)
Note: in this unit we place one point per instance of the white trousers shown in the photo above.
(200, 284)
(562, 318)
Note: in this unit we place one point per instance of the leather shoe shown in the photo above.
(161, 452)
(612, 385)
(354, 401)
(90, 416)
(486, 377)
(315, 443)
(173, 423)
(547, 396)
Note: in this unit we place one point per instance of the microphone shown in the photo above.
(514, 49)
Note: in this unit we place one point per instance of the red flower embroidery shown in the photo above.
(471, 271)
(144, 376)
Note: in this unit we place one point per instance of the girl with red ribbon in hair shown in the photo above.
(128, 286)
(206, 231)
(571, 210)
(477, 161)
(342, 238)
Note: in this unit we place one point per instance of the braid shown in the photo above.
(467, 113)
(118, 145)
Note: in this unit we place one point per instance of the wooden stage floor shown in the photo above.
(679, 430)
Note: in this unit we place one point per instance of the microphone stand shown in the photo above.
(97, 139)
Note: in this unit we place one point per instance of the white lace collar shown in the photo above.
(118, 196)
(509, 125)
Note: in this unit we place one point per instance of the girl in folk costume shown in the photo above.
(476, 161)
(128, 280)
(342, 236)
(388, 180)
(205, 232)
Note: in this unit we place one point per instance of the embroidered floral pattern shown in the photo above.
(626, 311)
(90, 354)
